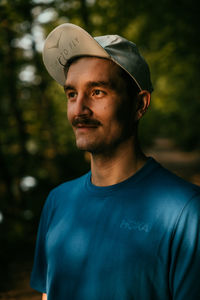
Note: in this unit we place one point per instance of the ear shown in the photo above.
(142, 104)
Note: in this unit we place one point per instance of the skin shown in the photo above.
(104, 119)
(95, 97)
(96, 92)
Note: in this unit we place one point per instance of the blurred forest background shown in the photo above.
(37, 150)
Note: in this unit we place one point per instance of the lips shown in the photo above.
(85, 126)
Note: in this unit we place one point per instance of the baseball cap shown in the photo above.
(68, 41)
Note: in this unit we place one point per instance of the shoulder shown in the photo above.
(169, 198)
(67, 189)
(77, 183)
(167, 184)
(64, 195)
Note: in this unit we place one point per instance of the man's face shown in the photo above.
(98, 105)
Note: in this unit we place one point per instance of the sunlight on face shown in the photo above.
(98, 106)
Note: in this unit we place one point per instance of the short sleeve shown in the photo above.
(39, 270)
(185, 254)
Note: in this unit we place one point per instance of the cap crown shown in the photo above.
(68, 40)
(125, 53)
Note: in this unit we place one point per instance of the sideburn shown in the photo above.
(126, 111)
(126, 116)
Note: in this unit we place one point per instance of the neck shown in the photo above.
(118, 165)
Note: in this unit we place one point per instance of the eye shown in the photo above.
(98, 93)
(71, 95)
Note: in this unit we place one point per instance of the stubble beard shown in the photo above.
(127, 130)
(105, 148)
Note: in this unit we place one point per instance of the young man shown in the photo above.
(129, 229)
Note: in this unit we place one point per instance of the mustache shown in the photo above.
(85, 121)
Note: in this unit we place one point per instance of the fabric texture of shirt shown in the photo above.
(139, 239)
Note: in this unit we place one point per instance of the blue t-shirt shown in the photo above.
(139, 239)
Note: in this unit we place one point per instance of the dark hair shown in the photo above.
(131, 86)
(71, 61)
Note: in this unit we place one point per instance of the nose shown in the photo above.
(82, 105)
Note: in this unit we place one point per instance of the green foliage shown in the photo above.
(36, 139)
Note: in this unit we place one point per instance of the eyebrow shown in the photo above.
(90, 84)
(68, 87)
(105, 84)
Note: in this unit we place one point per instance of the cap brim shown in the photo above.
(65, 42)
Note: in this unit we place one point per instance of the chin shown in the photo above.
(84, 146)
(85, 142)
(89, 147)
